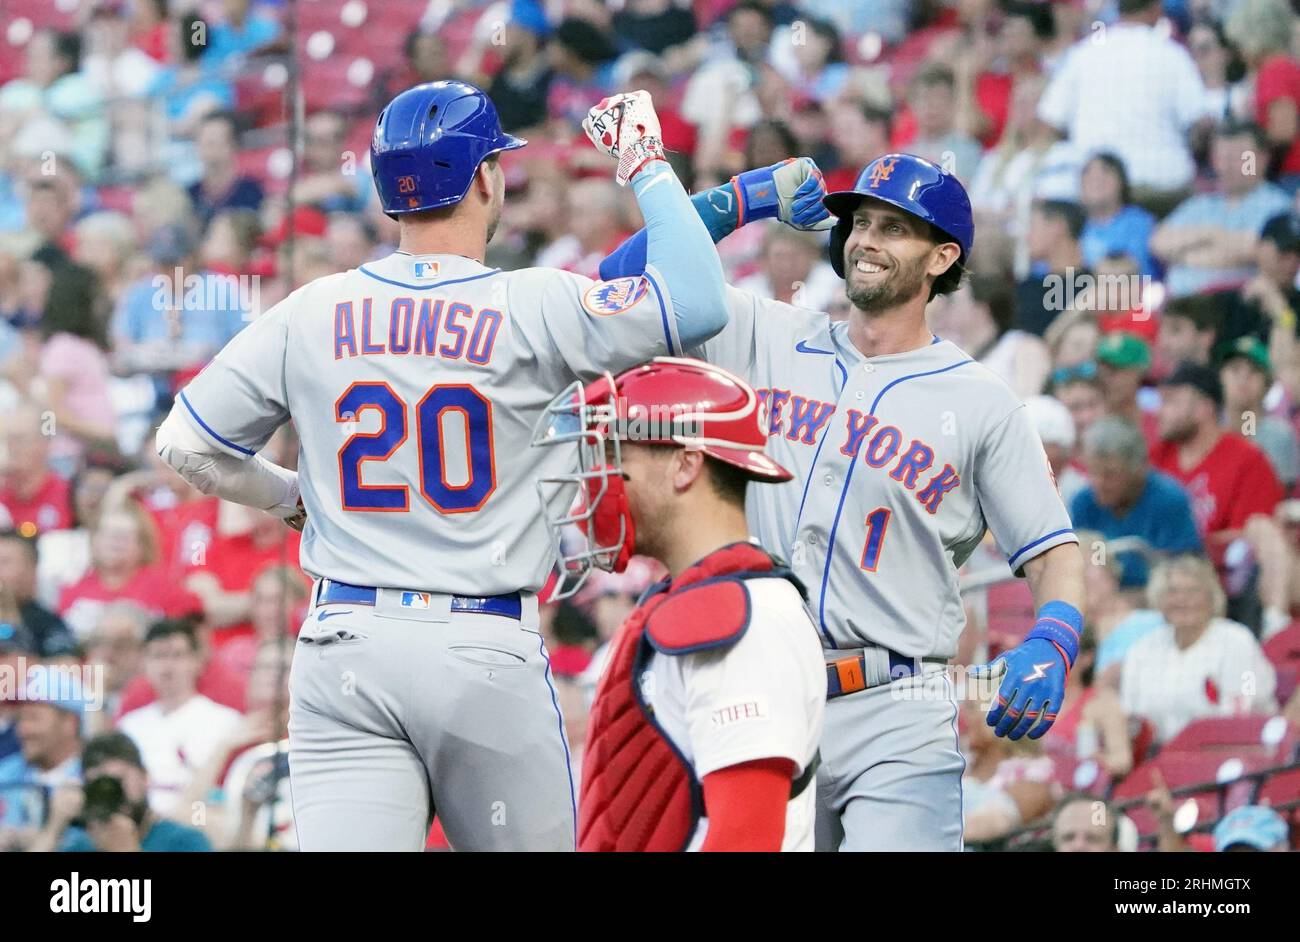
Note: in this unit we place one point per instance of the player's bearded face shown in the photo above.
(498, 201)
(869, 287)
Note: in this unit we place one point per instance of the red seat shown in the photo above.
(1267, 737)
(1086, 776)
(1200, 772)
(1283, 652)
(1282, 791)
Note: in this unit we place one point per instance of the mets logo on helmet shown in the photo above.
(606, 298)
(881, 170)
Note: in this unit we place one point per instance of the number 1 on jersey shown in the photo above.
(877, 524)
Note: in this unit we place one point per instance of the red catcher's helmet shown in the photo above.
(668, 401)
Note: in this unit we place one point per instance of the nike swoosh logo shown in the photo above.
(802, 347)
(324, 615)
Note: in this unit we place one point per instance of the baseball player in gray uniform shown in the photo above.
(420, 682)
(904, 452)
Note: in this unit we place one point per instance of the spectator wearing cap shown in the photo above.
(221, 186)
(1055, 227)
(1137, 93)
(580, 55)
(1262, 30)
(1198, 663)
(18, 560)
(54, 88)
(179, 731)
(520, 86)
(1229, 480)
(1210, 239)
(1126, 498)
(125, 827)
(1188, 331)
(36, 499)
(1122, 363)
(49, 724)
(1246, 376)
(1084, 824)
(1251, 828)
(654, 25)
(1079, 390)
(1114, 223)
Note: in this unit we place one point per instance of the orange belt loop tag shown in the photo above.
(850, 673)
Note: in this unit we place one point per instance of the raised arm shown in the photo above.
(791, 191)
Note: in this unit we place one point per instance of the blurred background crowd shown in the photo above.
(170, 168)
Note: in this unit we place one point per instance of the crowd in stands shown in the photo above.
(171, 168)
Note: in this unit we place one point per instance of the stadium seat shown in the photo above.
(1282, 791)
(1085, 776)
(1267, 737)
(1283, 652)
(1215, 781)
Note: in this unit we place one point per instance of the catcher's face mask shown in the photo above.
(594, 494)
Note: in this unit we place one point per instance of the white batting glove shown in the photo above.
(627, 128)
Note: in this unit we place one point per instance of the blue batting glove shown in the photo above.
(791, 191)
(1033, 674)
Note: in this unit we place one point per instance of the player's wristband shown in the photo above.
(1062, 624)
(756, 198)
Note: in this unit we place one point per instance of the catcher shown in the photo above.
(704, 730)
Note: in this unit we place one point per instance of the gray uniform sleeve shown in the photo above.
(577, 327)
(1017, 493)
(239, 399)
(751, 321)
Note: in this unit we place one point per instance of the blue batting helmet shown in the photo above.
(429, 142)
(912, 184)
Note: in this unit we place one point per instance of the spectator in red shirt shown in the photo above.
(149, 28)
(1230, 481)
(185, 520)
(1262, 30)
(37, 499)
(222, 576)
(123, 565)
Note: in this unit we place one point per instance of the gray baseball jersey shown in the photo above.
(414, 384)
(901, 463)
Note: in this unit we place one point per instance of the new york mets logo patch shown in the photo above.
(606, 298)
